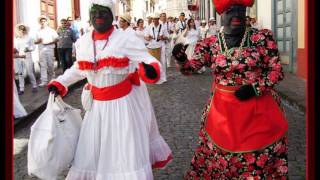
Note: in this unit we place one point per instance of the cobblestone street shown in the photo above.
(178, 104)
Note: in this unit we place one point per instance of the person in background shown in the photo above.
(24, 45)
(65, 44)
(203, 29)
(18, 109)
(74, 28)
(181, 24)
(248, 21)
(192, 35)
(156, 35)
(169, 31)
(46, 39)
(140, 31)
(125, 23)
(255, 24)
(213, 29)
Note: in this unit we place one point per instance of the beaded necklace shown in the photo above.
(229, 52)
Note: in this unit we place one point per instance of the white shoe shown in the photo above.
(42, 84)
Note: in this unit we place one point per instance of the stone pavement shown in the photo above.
(178, 104)
(293, 89)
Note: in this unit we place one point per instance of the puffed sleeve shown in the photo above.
(69, 77)
(272, 71)
(135, 50)
(204, 55)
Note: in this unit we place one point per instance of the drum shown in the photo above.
(155, 53)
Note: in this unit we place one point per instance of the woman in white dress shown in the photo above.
(119, 138)
(23, 62)
(192, 36)
(140, 31)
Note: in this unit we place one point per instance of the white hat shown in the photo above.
(43, 17)
(203, 21)
(126, 17)
(212, 19)
(155, 15)
(106, 3)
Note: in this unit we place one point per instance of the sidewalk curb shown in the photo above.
(21, 122)
(292, 102)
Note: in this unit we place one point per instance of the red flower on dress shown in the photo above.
(250, 158)
(276, 67)
(246, 175)
(273, 76)
(262, 160)
(221, 60)
(271, 45)
(257, 37)
(246, 53)
(251, 62)
(223, 162)
(262, 50)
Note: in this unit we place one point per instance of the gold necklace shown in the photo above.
(229, 52)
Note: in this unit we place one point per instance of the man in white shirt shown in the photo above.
(156, 35)
(46, 38)
(181, 24)
(167, 43)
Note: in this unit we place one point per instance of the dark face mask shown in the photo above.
(101, 18)
(233, 20)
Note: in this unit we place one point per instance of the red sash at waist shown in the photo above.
(116, 91)
(244, 126)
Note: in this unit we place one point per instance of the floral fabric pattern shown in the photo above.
(210, 162)
(258, 64)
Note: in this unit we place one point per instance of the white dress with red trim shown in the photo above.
(119, 138)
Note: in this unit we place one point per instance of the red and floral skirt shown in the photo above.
(210, 162)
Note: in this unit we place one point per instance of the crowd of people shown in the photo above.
(158, 32)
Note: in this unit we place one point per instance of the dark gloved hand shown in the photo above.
(150, 71)
(245, 92)
(53, 89)
(179, 52)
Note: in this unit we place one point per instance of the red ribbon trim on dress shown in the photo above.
(243, 126)
(116, 91)
(162, 164)
(106, 62)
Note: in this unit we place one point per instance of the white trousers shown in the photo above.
(28, 64)
(46, 61)
(168, 50)
(163, 64)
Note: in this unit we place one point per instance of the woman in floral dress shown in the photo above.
(243, 127)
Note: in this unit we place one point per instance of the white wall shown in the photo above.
(138, 9)
(28, 13)
(264, 14)
(64, 10)
(84, 10)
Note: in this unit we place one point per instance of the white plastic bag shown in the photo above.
(53, 139)
(86, 97)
